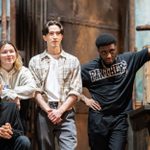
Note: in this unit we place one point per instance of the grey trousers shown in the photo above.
(64, 133)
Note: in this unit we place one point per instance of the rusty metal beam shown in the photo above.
(13, 21)
(143, 27)
(132, 40)
(83, 22)
(132, 25)
(4, 21)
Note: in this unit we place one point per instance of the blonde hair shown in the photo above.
(18, 62)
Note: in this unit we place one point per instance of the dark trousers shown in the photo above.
(24, 114)
(20, 143)
(107, 132)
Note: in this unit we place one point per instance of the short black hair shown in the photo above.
(105, 39)
(45, 30)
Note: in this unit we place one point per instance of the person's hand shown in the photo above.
(6, 131)
(92, 104)
(55, 116)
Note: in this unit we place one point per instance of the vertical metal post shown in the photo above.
(132, 37)
(4, 20)
(13, 21)
(132, 25)
(132, 48)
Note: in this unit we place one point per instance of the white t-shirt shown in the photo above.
(52, 85)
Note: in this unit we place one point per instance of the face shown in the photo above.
(54, 37)
(7, 55)
(108, 53)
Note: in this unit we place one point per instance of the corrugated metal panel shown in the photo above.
(29, 24)
(83, 21)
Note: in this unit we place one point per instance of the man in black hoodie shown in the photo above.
(11, 130)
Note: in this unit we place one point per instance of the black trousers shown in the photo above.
(19, 143)
(107, 132)
(10, 114)
(24, 114)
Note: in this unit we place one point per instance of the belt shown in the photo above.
(54, 104)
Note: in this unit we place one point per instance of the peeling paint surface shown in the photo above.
(142, 17)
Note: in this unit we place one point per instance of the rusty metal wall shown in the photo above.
(83, 21)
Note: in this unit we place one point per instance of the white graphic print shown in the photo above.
(114, 70)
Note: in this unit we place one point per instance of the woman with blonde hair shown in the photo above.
(16, 80)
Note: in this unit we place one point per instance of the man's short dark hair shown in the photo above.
(45, 30)
(105, 39)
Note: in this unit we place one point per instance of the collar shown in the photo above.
(45, 55)
(107, 65)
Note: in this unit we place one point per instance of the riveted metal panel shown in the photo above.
(82, 20)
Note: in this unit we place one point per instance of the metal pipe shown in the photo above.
(4, 21)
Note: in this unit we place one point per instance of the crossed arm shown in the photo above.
(55, 114)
